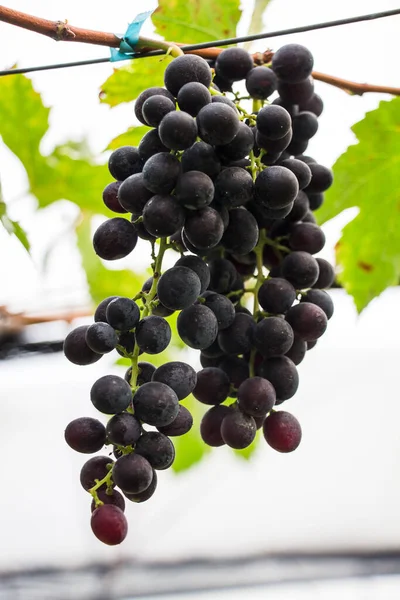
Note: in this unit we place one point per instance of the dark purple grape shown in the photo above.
(217, 123)
(155, 108)
(76, 349)
(313, 104)
(283, 375)
(256, 396)
(101, 338)
(114, 498)
(300, 169)
(132, 473)
(223, 275)
(115, 238)
(233, 187)
(141, 99)
(282, 431)
(201, 157)
(241, 235)
(100, 312)
(212, 386)
(85, 434)
(110, 197)
(210, 426)
(123, 314)
(185, 69)
(239, 147)
(150, 144)
(194, 190)
(153, 334)
(238, 337)
(308, 321)
(276, 295)
(146, 494)
(276, 187)
(123, 429)
(297, 351)
(161, 172)
(321, 179)
(178, 130)
(300, 208)
(261, 82)
(178, 288)
(315, 200)
(233, 63)
(273, 122)
(273, 336)
(306, 237)
(296, 93)
(111, 394)
(192, 97)
(124, 161)
(236, 368)
(222, 308)
(109, 524)
(163, 216)
(197, 326)
(157, 448)
(292, 63)
(321, 299)
(145, 373)
(326, 275)
(182, 423)
(305, 125)
(197, 265)
(133, 195)
(156, 404)
(238, 430)
(179, 376)
(204, 228)
(301, 269)
(94, 469)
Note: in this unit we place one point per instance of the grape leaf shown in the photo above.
(190, 448)
(12, 227)
(131, 137)
(199, 21)
(367, 176)
(69, 172)
(127, 82)
(104, 282)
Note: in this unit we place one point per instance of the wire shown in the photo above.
(216, 43)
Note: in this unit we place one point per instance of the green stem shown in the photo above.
(169, 48)
(257, 105)
(99, 482)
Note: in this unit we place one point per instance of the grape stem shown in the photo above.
(99, 482)
(148, 303)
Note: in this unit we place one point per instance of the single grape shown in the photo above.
(201, 157)
(109, 524)
(241, 145)
(141, 99)
(292, 109)
(111, 394)
(236, 368)
(326, 275)
(178, 130)
(237, 338)
(155, 108)
(192, 97)
(238, 430)
(223, 275)
(206, 361)
(300, 169)
(114, 498)
(115, 238)
(178, 288)
(185, 69)
(101, 338)
(276, 187)
(222, 308)
(292, 63)
(150, 144)
(282, 373)
(156, 403)
(132, 473)
(315, 200)
(126, 342)
(124, 161)
(276, 295)
(123, 314)
(197, 326)
(144, 375)
(123, 429)
(179, 376)
(110, 197)
(300, 208)
(309, 217)
(133, 195)
(100, 312)
(233, 64)
(85, 435)
(161, 172)
(282, 431)
(194, 190)
(311, 345)
(233, 187)
(217, 124)
(297, 351)
(301, 269)
(213, 351)
(272, 147)
(321, 299)
(157, 448)
(212, 386)
(313, 104)
(273, 336)
(306, 237)
(321, 179)
(308, 321)
(296, 93)
(146, 494)
(94, 469)
(261, 82)
(241, 235)
(273, 122)
(199, 267)
(305, 125)
(204, 228)
(224, 100)
(182, 423)
(256, 396)
(163, 216)
(210, 426)
(153, 334)
(76, 348)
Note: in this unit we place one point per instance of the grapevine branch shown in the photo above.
(63, 31)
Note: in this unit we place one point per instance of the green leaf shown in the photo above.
(69, 172)
(197, 21)
(190, 448)
(257, 23)
(131, 137)
(367, 176)
(127, 82)
(104, 282)
(12, 227)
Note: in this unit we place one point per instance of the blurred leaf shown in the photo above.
(248, 452)
(190, 448)
(131, 137)
(104, 282)
(127, 82)
(12, 227)
(257, 23)
(199, 21)
(69, 172)
(367, 176)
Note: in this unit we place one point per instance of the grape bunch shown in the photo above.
(231, 191)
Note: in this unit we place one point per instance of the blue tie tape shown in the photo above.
(129, 40)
